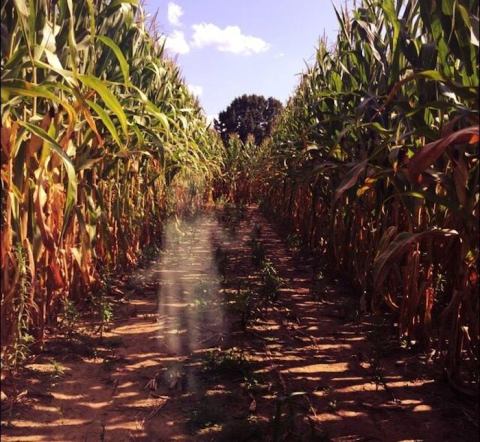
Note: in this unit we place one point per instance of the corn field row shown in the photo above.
(100, 140)
(374, 163)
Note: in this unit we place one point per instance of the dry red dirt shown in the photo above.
(306, 368)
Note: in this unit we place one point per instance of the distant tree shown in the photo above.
(248, 114)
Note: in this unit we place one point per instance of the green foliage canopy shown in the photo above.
(248, 114)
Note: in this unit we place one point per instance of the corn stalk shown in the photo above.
(373, 162)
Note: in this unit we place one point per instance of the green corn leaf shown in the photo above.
(110, 100)
(26, 89)
(107, 121)
(120, 57)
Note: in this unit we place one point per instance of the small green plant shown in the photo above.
(243, 305)
(20, 348)
(58, 370)
(70, 317)
(106, 313)
(271, 281)
(103, 307)
(231, 361)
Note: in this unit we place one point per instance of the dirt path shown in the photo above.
(178, 363)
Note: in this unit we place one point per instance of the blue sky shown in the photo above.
(228, 48)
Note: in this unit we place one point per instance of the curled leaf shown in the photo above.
(432, 151)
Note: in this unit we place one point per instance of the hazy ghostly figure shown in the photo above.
(189, 305)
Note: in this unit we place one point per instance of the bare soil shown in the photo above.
(178, 364)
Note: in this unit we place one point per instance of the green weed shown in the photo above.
(271, 281)
(243, 305)
(20, 348)
(232, 363)
(58, 370)
(70, 317)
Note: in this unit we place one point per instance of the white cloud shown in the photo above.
(230, 39)
(176, 43)
(195, 89)
(174, 12)
(280, 55)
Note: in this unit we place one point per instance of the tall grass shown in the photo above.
(99, 137)
(374, 162)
